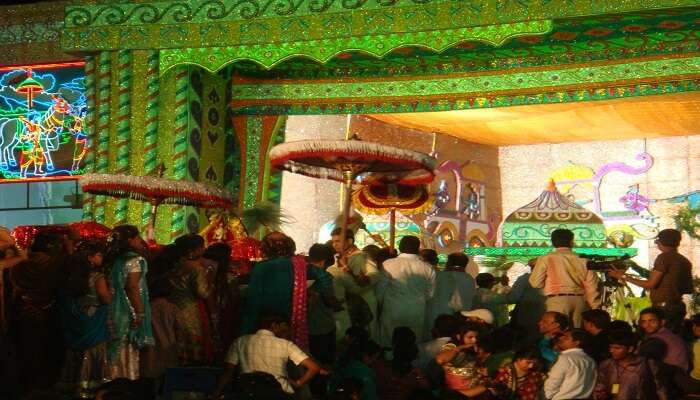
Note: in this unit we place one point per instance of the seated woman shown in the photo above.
(458, 359)
(521, 379)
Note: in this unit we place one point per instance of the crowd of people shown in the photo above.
(84, 319)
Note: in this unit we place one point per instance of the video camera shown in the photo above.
(605, 264)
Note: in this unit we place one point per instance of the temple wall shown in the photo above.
(526, 169)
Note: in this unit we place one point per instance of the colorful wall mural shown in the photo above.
(626, 213)
(42, 108)
(636, 186)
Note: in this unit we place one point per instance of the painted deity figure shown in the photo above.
(442, 198)
(39, 136)
(634, 201)
(471, 204)
(32, 150)
(80, 138)
(224, 228)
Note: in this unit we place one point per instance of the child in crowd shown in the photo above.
(402, 378)
(444, 328)
(625, 375)
(355, 365)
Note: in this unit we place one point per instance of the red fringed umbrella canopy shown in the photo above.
(156, 191)
(346, 160)
(383, 199)
(329, 159)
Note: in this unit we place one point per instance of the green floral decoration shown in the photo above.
(694, 303)
(687, 221)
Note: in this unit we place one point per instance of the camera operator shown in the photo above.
(670, 279)
(568, 284)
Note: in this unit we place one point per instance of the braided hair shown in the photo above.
(118, 242)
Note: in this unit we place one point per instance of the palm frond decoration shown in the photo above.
(265, 214)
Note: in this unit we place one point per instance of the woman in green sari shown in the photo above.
(130, 309)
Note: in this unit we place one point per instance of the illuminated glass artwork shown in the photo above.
(42, 113)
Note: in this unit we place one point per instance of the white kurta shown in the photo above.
(343, 282)
(407, 285)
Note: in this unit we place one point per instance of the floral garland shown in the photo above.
(687, 221)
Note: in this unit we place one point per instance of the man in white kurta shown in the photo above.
(358, 275)
(408, 284)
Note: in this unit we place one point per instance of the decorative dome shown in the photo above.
(532, 224)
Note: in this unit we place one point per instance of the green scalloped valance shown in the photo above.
(215, 58)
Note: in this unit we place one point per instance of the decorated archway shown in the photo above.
(204, 86)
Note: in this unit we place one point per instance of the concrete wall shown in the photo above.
(525, 171)
(310, 202)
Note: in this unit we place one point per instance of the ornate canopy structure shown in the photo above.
(526, 232)
(205, 85)
(532, 224)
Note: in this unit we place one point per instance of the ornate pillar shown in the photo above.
(90, 92)
(254, 133)
(122, 139)
(103, 106)
(179, 156)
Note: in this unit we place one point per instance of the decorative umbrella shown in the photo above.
(30, 87)
(347, 160)
(156, 191)
(383, 199)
